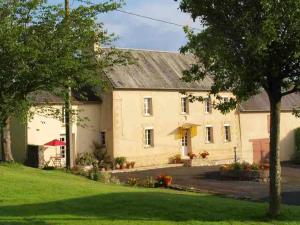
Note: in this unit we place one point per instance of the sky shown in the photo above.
(140, 33)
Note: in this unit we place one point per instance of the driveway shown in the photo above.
(195, 177)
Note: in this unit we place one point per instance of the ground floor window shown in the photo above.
(148, 137)
(227, 133)
(209, 134)
(62, 148)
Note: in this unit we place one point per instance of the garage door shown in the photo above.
(261, 150)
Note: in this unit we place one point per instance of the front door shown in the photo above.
(185, 142)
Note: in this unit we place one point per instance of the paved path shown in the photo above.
(195, 177)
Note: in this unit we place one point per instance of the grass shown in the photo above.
(32, 196)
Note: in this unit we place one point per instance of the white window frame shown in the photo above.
(227, 139)
(184, 105)
(148, 106)
(207, 141)
(207, 105)
(148, 142)
(103, 138)
(62, 148)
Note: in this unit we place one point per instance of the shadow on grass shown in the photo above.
(143, 206)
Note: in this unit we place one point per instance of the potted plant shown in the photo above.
(204, 155)
(192, 155)
(128, 165)
(132, 164)
(167, 181)
(121, 161)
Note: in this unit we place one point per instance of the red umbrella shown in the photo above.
(55, 142)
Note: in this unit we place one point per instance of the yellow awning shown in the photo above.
(191, 126)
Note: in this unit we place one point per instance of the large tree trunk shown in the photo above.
(275, 168)
(6, 142)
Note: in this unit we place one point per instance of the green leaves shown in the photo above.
(41, 51)
(246, 45)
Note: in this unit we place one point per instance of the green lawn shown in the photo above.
(32, 196)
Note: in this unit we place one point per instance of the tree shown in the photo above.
(40, 51)
(246, 47)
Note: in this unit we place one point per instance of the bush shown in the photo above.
(148, 182)
(176, 159)
(86, 159)
(120, 160)
(133, 181)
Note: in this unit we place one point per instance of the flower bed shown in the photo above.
(244, 171)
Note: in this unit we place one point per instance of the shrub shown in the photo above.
(176, 159)
(148, 182)
(133, 181)
(237, 166)
(114, 180)
(120, 160)
(86, 159)
(105, 177)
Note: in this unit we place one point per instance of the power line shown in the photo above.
(154, 19)
(147, 17)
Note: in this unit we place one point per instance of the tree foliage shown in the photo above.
(41, 51)
(248, 46)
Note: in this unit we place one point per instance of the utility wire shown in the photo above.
(147, 17)
(154, 19)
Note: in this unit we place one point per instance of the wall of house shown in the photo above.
(255, 125)
(86, 128)
(106, 123)
(129, 124)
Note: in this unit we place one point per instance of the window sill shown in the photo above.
(148, 115)
(148, 146)
(209, 142)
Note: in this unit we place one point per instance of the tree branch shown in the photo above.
(296, 88)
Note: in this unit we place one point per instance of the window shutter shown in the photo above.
(212, 134)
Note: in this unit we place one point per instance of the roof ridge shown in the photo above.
(146, 50)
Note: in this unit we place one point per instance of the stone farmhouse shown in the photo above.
(145, 117)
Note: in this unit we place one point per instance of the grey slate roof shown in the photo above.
(260, 103)
(156, 70)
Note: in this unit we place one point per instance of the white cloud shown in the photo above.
(136, 32)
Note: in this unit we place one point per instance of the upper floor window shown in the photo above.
(147, 106)
(148, 137)
(227, 133)
(184, 105)
(209, 134)
(207, 105)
